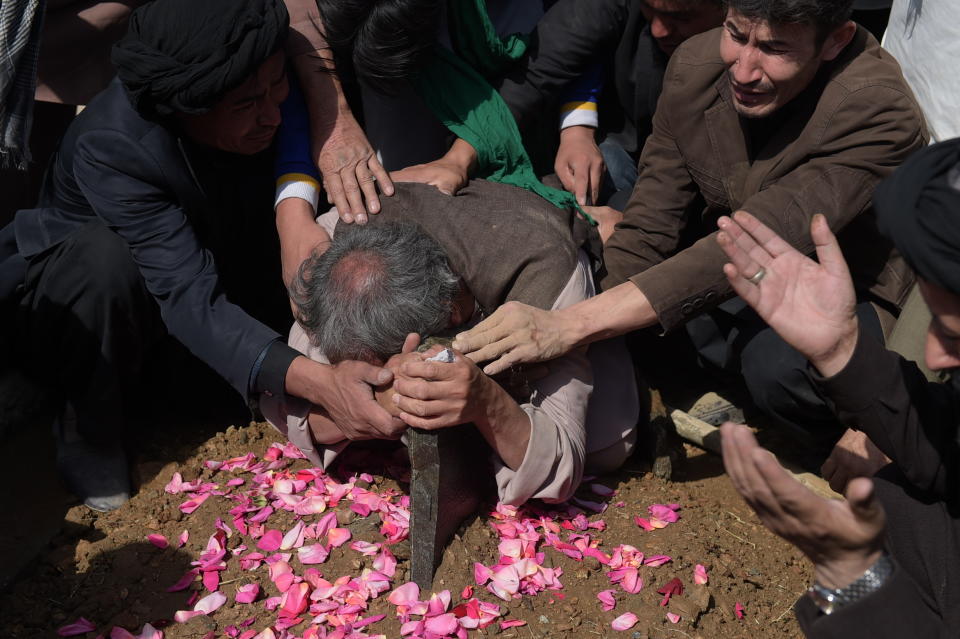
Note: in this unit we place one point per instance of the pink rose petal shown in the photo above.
(211, 602)
(183, 538)
(183, 582)
(643, 522)
(624, 622)
(700, 575)
(338, 536)
(191, 505)
(739, 610)
(657, 560)
(313, 554)
(158, 540)
(481, 574)
(270, 540)
(247, 593)
(512, 623)
(183, 616)
(674, 618)
(607, 600)
(404, 594)
(442, 625)
(78, 627)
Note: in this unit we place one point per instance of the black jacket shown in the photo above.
(915, 423)
(571, 37)
(136, 177)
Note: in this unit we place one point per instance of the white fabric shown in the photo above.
(924, 37)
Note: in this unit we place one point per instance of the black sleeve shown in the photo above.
(569, 38)
(898, 609)
(913, 421)
(125, 184)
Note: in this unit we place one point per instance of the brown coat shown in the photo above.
(856, 122)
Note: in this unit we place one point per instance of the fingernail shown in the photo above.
(396, 398)
(456, 345)
(348, 218)
(384, 376)
(361, 219)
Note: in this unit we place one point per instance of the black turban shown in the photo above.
(919, 209)
(184, 55)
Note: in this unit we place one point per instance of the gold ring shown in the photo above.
(759, 275)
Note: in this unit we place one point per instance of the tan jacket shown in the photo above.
(849, 129)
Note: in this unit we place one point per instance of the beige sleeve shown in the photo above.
(552, 466)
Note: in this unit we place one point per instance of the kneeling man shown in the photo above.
(429, 263)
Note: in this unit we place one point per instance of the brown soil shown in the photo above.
(101, 567)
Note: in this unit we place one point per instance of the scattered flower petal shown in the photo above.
(158, 540)
(700, 575)
(624, 622)
(607, 600)
(78, 627)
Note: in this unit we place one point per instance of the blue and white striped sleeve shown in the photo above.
(297, 175)
(578, 102)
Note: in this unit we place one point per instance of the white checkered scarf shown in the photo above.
(20, 24)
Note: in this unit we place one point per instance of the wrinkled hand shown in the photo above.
(853, 456)
(384, 394)
(607, 219)
(841, 537)
(579, 164)
(350, 169)
(434, 395)
(350, 403)
(447, 176)
(811, 305)
(516, 334)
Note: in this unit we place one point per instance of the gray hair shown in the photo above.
(372, 287)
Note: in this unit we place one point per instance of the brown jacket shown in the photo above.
(828, 149)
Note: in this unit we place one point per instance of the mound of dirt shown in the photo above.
(102, 567)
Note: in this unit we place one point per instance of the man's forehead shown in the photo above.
(769, 32)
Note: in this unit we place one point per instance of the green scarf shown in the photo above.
(472, 109)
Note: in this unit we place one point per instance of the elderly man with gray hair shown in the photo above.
(429, 263)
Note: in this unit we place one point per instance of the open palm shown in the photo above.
(810, 304)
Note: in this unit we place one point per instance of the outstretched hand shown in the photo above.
(810, 304)
(516, 334)
(841, 537)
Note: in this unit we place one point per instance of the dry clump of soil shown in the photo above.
(101, 567)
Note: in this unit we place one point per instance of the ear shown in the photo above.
(837, 41)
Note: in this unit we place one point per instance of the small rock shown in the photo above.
(582, 574)
(543, 619)
(345, 517)
(362, 483)
(700, 596)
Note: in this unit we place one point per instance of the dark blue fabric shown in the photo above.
(293, 138)
(135, 176)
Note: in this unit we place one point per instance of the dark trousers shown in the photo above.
(83, 324)
(732, 339)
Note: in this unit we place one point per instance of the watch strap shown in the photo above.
(830, 599)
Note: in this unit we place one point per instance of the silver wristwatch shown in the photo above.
(829, 600)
